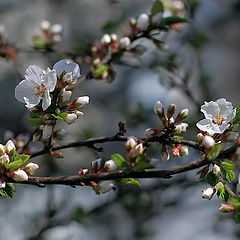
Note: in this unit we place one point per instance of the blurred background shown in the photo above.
(198, 62)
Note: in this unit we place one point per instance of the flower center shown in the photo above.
(40, 90)
(218, 119)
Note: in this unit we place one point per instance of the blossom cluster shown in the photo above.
(47, 95)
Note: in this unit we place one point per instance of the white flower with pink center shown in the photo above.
(217, 114)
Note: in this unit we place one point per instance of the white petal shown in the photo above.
(24, 89)
(34, 73)
(210, 109)
(205, 125)
(50, 80)
(32, 101)
(67, 66)
(46, 102)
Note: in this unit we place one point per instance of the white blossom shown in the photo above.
(10, 147)
(4, 159)
(208, 142)
(31, 168)
(208, 193)
(56, 28)
(45, 25)
(106, 39)
(69, 68)
(106, 186)
(18, 175)
(36, 87)
(110, 165)
(70, 118)
(217, 114)
(143, 22)
(124, 42)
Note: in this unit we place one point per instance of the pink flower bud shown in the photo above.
(31, 168)
(18, 175)
(216, 170)
(208, 193)
(4, 159)
(200, 137)
(10, 147)
(106, 186)
(83, 171)
(124, 42)
(106, 39)
(183, 150)
(70, 118)
(111, 165)
(143, 22)
(225, 208)
(131, 143)
(176, 152)
(208, 142)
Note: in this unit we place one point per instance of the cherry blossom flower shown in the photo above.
(217, 114)
(36, 87)
(67, 69)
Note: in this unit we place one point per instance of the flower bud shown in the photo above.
(151, 132)
(70, 118)
(56, 38)
(47, 131)
(78, 113)
(140, 148)
(131, 143)
(18, 175)
(124, 42)
(165, 156)
(158, 108)
(171, 110)
(106, 186)
(45, 25)
(2, 149)
(143, 22)
(31, 168)
(2, 183)
(182, 115)
(83, 171)
(208, 193)
(65, 95)
(176, 152)
(208, 142)
(178, 129)
(56, 28)
(216, 170)
(111, 165)
(10, 147)
(200, 137)
(106, 39)
(95, 164)
(183, 151)
(114, 37)
(184, 127)
(225, 208)
(4, 159)
(79, 102)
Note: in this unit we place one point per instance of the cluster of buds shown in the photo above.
(179, 150)
(48, 35)
(8, 156)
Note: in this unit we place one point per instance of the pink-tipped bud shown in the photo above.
(83, 171)
(182, 115)
(225, 208)
(4, 159)
(124, 42)
(18, 175)
(110, 165)
(200, 137)
(106, 39)
(171, 110)
(165, 156)
(70, 118)
(176, 152)
(31, 168)
(131, 143)
(216, 170)
(183, 150)
(10, 147)
(143, 22)
(106, 186)
(208, 193)
(184, 127)
(208, 142)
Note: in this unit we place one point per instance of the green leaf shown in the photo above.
(60, 116)
(101, 69)
(38, 42)
(128, 181)
(173, 20)
(36, 121)
(8, 191)
(229, 174)
(119, 160)
(227, 165)
(223, 194)
(212, 179)
(237, 216)
(237, 117)
(157, 7)
(14, 157)
(142, 163)
(19, 161)
(217, 149)
(235, 201)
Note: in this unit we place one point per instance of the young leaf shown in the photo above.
(8, 191)
(19, 161)
(119, 160)
(173, 20)
(35, 121)
(229, 174)
(237, 117)
(212, 179)
(217, 149)
(235, 201)
(237, 216)
(14, 156)
(157, 7)
(128, 181)
(141, 163)
(223, 195)
(60, 116)
(100, 69)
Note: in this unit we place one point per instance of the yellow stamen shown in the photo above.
(218, 119)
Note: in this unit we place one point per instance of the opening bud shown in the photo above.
(111, 165)
(182, 115)
(2, 149)
(208, 193)
(178, 129)
(225, 208)
(31, 168)
(200, 137)
(184, 127)
(4, 159)
(131, 143)
(79, 102)
(106, 39)
(143, 22)
(65, 96)
(106, 186)
(183, 150)
(18, 175)
(216, 170)
(10, 147)
(124, 42)
(176, 151)
(95, 165)
(70, 118)
(208, 142)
